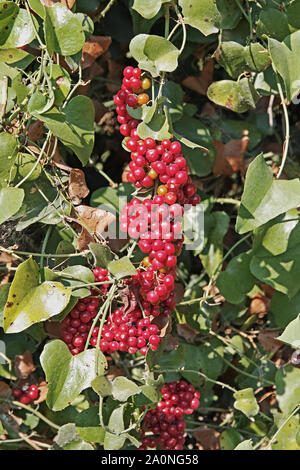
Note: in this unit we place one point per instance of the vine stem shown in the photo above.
(221, 262)
(104, 11)
(37, 162)
(282, 426)
(49, 255)
(101, 310)
(188, 371)
(181, 21)
(287, 131)
(35, 412)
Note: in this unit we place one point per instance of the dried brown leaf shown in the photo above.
(230, 156)
(201, 83)
(186, 332)
(267, 338)
(24, 365)
(260, 305)
(35, 131)
(94, 48)
(43, 389)
(208, 439)
(78, 189)
(93, 221)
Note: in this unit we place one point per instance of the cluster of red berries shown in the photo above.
(127, 332)
(166, 421)
(26, 394)
(152, 160)
(78, 322)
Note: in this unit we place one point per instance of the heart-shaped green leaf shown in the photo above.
(63, 30)
(154, 53)
(265, 198)
(245, 402)
(237, 96)
(30, 302)
(16, 27)
(236, 280)
(10, 202)
(102, 254)
(202, 15)
(286, 61)
(148, 8)
(76, 277)
(68, 375)
(74, 127)
(123, 388)
(237, 59)
(121, 268)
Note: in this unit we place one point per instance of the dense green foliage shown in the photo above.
(225, 75)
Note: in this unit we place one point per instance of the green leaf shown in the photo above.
(123, 388)
(121, 268)
(212, 254)
(36, 208)
(287, 381)
(286, 61)
(148, 8)
(8, 152)
(106, 196)
(237, 59)
(291, 334)
(68, 375)
(74, 127)
(230, 13)
(102, 254)
(287, 436)
(68, 439)
(236, 281)
(30, 302)
(273, 23)
(24, 164)
(10, 202)
(189, 130)
(61, 82)
(245, 445)
(102, 386)
(16, 57)
(202, 15)
(236, 96)
(245, 402)
(285, 309)
(229, 439)
(265, 198)
(80, 276)
(63, 31)
(157, 127)
(154, 53)
(115, 424)
(88, 427)
(16, 28)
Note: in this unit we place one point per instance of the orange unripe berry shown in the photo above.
(162, 190)
(146, 262)
(143, 98)
(146, 84)
(152, 173)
